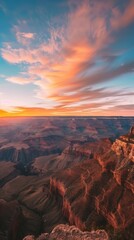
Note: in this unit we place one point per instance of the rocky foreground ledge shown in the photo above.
(66, 232)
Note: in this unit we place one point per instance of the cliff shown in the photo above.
(99, 190)
(124, 149)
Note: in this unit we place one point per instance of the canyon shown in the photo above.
(60, 171)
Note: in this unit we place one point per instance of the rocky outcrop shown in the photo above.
(124, 169)
(66, 232)
(124, 149)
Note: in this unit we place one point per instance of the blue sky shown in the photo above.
(66, 57)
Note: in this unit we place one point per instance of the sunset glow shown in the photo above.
(67, 57)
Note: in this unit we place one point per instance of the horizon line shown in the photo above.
(66, 116)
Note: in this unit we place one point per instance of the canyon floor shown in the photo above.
(61, 171)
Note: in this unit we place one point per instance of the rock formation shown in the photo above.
(128, 138)
(66, 232)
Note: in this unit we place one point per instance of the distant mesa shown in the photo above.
(129, 138)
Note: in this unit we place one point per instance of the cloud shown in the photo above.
(93, 109)
(122, 19)
(20, 55)
(67, 66)
(3, 113)
(25, 37)
(19, 80)
(107, 74)
(79, 46)
(125, 106)
(120, 110)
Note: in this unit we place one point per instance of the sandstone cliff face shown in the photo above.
(124, 169)
(124, 149)
(66, 232)
(74, 185)
(99, 191)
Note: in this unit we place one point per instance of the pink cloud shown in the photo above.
(19, 80)
(24, 37)
(19, 55)
(84, 35)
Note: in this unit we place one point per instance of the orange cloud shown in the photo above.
(3, 113)
(85, 34)
(94, 109)
(60, 68)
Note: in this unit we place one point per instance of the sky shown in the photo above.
(66, 57)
